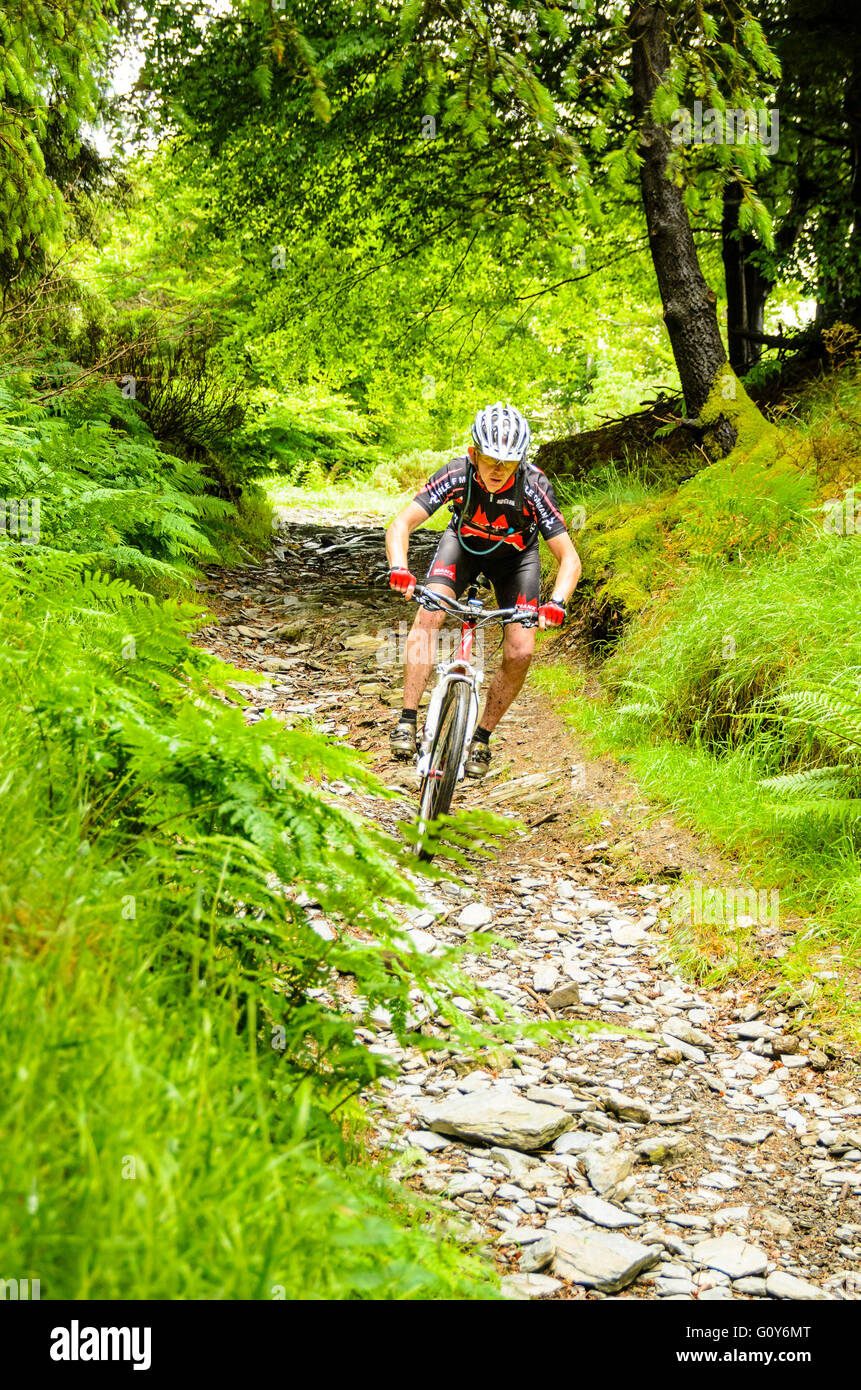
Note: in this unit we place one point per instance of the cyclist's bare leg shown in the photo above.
(517, 649)
(421, 649)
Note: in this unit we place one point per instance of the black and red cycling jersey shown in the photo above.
(494, 516)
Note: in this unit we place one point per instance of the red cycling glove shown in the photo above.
(400, 580)
(553, 612)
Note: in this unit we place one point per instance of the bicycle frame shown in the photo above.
(458, 671)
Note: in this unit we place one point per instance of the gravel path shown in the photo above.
(716, 1156)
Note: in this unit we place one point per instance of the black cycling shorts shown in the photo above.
(516, 577)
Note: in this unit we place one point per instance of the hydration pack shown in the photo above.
(466, 515)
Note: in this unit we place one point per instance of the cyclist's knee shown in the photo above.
(426, 620)
(518, 649)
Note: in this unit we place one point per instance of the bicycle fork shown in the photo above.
(450, 673)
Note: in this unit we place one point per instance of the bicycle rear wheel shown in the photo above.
(438, 785)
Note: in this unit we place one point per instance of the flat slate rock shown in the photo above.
(731, 1255)
(424, 1139)
(602, 1260)
(780, 1285)
(603, 1213)
(523, 1286)
(497, 1115)
(627, 934)
(627, 1107)
(607, 1167)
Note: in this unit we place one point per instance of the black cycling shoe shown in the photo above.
(402, 740)
(478, 759)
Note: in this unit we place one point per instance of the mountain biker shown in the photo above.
(501, 504)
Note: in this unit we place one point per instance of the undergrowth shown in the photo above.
(180, 1073)
(732, 654)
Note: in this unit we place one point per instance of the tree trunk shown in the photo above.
(746, 287)
(690, 311)
(852, 114)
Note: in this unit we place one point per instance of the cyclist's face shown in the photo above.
(494, 473)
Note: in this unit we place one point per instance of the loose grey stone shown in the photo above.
(574, 1141)
(474, 915)
(602, 1260)
(524, 1286)
(777, 1222)
(544, 979)
(723, 1181)
(497, 1115)
(509, 1192)
(626, 1108)
(836, 1177)
(519, 1165)
(550, 1095)
(732, 1216)
(731, 1255)
(680, 1028)
(751, 1138)
(603, 1213)
(782, 1285)
(663, 1148)
(425, 1139)
(565, 997)
(520, 1235)
(678, 1045)
(598, 1121)
(757, 1287)
(671, 1288)
(752, 1030)
(627, 934)
(462, 1183)
(606, 1165)
(537, 1255)
(474, 1081)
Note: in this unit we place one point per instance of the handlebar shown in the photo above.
(474, 611)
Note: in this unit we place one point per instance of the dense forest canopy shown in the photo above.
(404, 206)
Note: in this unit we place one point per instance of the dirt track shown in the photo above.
(764, 1148)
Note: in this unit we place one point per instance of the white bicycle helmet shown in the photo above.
(501, 432)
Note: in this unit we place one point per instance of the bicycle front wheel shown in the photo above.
(438, 785)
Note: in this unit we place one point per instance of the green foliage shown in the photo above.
(48, 90)
(107, 491)
(179, 1060)
(733, 688)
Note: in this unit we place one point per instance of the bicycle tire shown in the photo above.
(437, 788)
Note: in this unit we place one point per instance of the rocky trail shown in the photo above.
(716, 1157)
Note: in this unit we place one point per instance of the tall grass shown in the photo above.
(733, 689)
(179, 1064)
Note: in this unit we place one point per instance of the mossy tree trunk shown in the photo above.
(690, 306)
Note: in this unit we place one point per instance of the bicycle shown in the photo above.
(453, 709)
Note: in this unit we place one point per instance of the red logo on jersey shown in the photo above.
(524, 601)
(516, 540)
(447, 570)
